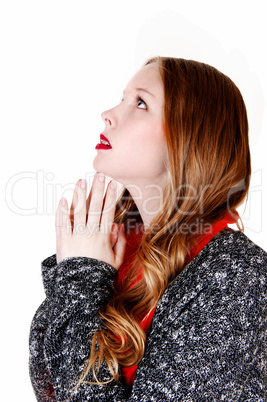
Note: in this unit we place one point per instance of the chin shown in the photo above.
(100, 167)
(97, 165)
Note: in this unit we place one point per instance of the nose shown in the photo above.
(106, 117)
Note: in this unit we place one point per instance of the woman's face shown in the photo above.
(134, 129)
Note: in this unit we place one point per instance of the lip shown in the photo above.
(101, 145)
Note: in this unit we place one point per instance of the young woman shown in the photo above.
(152, 297)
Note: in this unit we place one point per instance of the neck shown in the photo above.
(148, 199)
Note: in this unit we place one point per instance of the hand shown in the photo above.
(87, 229)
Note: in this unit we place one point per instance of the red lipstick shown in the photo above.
(104, 143)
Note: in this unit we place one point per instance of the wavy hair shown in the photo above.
(206, 130)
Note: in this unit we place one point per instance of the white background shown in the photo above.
(62, 64)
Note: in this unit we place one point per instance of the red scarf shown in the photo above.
(133, 240)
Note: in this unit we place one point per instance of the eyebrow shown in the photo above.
(144, 90)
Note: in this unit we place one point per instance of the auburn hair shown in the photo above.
(206, 130)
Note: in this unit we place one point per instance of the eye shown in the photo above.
(140, 103)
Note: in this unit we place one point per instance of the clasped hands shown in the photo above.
(87, 229)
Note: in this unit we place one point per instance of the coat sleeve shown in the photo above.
(63, 326)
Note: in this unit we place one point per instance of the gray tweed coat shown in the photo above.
(207, 340)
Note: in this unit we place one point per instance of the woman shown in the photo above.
(152, 297)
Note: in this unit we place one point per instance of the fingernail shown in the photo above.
(101, 177)
(63, 201)
(113, 184)
(83, 184)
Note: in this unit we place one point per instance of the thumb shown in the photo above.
(114, 234)
(120, 247)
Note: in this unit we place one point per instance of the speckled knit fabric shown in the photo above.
(207, 340)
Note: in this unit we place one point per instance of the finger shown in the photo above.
(120, 247)
(63, 226)
(79, 206)
(88, 200)
(74, 203)
(88, 203)
(72, 207)
(96, 202)
(107, 217)
(62, 223)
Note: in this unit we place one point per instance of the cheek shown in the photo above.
(151, 150)
(155, 142)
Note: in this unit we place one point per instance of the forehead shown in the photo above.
(147, 77)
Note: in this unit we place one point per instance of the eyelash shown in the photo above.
(138, 99)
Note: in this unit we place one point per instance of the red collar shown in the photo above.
(135, 236)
